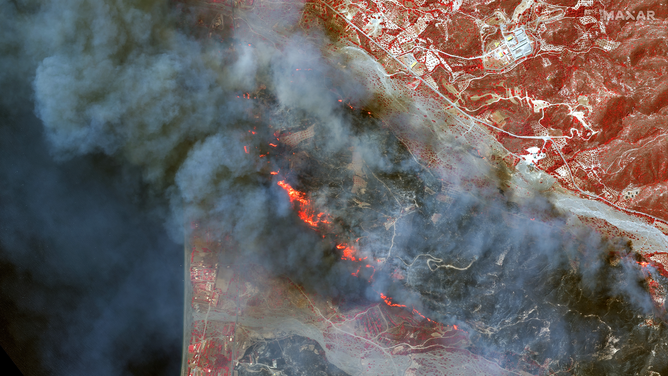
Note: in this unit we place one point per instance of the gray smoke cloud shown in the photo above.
(123, 79)
(128, 81)
(120, 80)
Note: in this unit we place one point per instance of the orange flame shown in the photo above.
(313, 222)
(388, 301)
(372, 274)
(294, 194)
(348, 252)
(416, 312)
(305, 212)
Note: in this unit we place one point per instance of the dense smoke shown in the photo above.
(138, 112)
(133, 85)
(90, 280)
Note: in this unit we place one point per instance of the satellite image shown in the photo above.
(334, 187)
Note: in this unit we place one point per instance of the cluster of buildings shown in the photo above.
(211, 342)
(517, 42)
(203, 278)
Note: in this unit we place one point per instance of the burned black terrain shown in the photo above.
(291, 356)
(534, 294)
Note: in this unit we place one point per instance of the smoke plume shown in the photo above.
(180, 121)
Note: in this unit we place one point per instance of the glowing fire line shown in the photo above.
(388, 301)
(307, 215)
(348, 252)
(305, 212)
